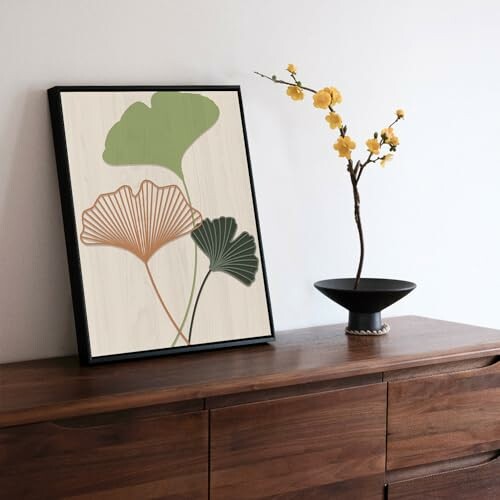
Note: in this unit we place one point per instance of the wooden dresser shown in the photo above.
(315, 415)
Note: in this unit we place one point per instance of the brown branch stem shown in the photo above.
(283, 82)
(357, 218)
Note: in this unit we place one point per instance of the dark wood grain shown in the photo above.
(320, 446)
(59, 388)
(292, 390)
(131, 415)
(393, 476)
(480, 482)
(453, 367)
(147, 458)
(440, 417)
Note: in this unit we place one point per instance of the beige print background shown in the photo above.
(124, 314)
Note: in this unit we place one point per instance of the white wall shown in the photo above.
(431, 216)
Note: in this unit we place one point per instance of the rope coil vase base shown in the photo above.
(374, 333)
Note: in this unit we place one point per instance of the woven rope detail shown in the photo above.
(385, 328)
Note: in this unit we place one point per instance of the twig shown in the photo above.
(283, 82)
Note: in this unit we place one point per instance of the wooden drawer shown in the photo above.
(481, 482)
(107, 457)
(316, 446)
(442, 417)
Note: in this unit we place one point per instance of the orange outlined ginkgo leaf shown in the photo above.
(140, 223)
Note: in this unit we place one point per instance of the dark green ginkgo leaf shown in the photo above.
(234, 257)
(160, 134)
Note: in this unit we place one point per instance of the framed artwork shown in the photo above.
(161, 226)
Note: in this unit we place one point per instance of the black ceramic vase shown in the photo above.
(366, 302)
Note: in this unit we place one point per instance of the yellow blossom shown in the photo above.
(393, 141)
(334, 94)
(334, 120)
(291, 69)
(373, 146)
(385, 159)
(322, 99)
(400, 113)
(344, 146)
(387, 132)
(389, 136)
(296, 93)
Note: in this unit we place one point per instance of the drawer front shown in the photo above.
(141, 458)
(441, 417)
(318, 446)
(481, 482)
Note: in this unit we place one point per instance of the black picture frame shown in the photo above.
(71, 233)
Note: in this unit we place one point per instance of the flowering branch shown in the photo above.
(327, 98)
(283, 82)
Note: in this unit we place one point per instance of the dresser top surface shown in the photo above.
(60, 387)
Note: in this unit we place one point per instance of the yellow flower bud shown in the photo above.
(322, 99)
(291, 69)
(334, 120)
(385, 159)
(400, 113)
(296, 93)
(344, 146)
(373, 146)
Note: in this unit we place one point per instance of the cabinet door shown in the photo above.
(480, 482)
(107, 458)
(441, 417)
(319, 446)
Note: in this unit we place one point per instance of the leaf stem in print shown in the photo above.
(196, 303)
(227, 253)
(195, 272)
(165, 308)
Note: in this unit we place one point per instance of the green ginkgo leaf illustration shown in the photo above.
(234, 257)
(160, 134)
